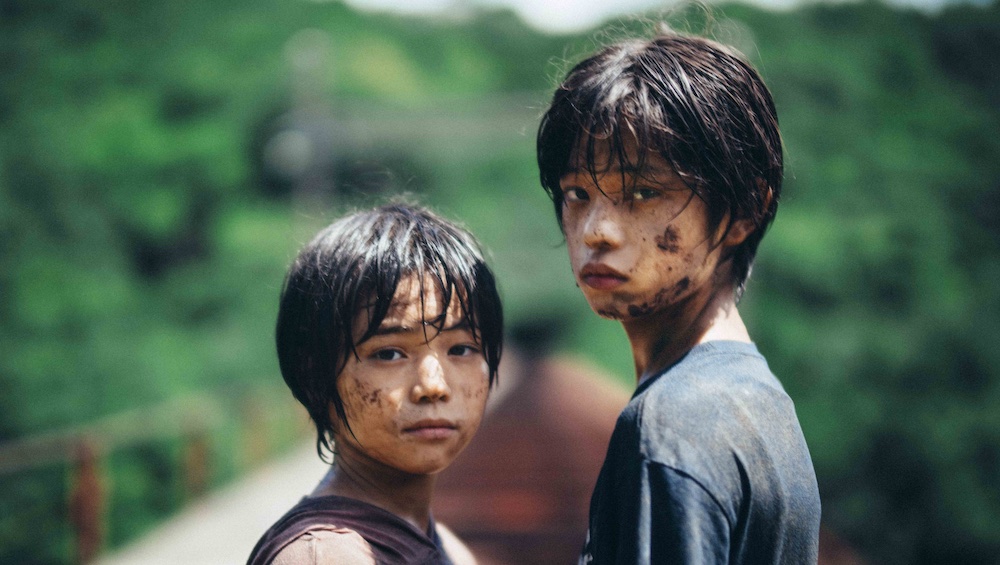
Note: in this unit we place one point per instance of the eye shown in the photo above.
(387, 354)
(463, 350)
(575, 194)
(642, 193)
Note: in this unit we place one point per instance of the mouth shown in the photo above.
(601, 277)
(431, 429)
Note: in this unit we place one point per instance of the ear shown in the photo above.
(741, 228)
(767, 192)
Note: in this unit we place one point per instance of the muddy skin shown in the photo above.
(636, 311)
(610, 315)
(657, 302)
(369, 395)
(653, 305)
(681, 286)
(669, 241)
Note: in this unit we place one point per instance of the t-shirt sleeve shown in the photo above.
(685, 523)
(326, 547)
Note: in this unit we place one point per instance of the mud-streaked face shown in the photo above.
(414, 396)
(639, 241)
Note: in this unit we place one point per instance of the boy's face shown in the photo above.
(413, 399)
(639, 242)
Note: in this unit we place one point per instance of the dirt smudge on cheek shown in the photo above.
(366, 394)
(637, 310)
(609, 314)
(669, 241)
(681, 286)
(474, 392)
(373, 397)
(663, 297)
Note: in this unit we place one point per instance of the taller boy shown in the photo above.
(664, 162)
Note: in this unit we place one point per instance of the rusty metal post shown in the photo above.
(256, 432)
(86, 502)
(196, 464)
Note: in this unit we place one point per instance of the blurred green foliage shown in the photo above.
(144, 232)
(876, 295)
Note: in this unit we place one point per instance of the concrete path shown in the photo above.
(223, 527)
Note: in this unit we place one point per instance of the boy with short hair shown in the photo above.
(664, 162)
(389, 332)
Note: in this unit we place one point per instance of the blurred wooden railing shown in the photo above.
(190, 419)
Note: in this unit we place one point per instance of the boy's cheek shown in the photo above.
(475, 397)
(475, 392)
(354, 395)
(481, 391)
(477, 388)
(669, 241)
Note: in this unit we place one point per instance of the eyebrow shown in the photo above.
(647, 169)
(393, 329)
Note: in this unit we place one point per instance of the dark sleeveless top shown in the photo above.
(392, 539)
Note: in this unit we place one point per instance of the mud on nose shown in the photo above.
(431, 383)
(602, 226)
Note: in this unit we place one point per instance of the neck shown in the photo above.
(405, 495)
(660, 340)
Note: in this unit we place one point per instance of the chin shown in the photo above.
(609, 314)
(608, 309)
(428, 466)
(428, 469)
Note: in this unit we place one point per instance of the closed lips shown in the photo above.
(430, 424)
(591, 270)
(601, 277)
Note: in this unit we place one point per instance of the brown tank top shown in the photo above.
(392, 539)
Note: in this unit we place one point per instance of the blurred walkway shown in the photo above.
(223, 527)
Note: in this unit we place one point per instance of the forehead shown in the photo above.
(601, 156)
(601, 161)
(421, 299)
(418, 302)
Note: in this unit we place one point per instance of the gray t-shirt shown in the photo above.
(707, 464)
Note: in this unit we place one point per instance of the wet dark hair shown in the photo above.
(697, 103)
(355, 265)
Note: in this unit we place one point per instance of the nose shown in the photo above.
(602, 227)
(431, 385)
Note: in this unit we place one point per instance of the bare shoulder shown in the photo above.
(454, 547)
(327, 547)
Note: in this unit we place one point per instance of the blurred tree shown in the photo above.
(870, 291)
